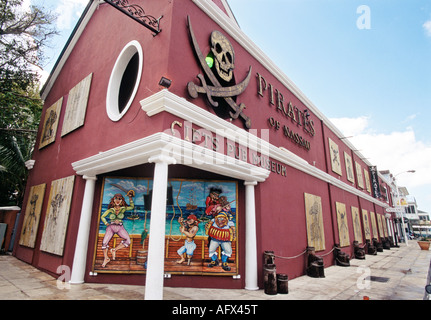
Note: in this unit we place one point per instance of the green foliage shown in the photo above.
(19, 122)
(23, 34)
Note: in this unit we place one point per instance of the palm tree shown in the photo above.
(15, 150)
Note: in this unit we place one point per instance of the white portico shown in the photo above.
(164, 150)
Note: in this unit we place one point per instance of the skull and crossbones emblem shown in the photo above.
(224, 55)
(224, 63)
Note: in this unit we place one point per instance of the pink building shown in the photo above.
(177, 156)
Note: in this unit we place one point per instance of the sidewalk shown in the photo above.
(396, 274)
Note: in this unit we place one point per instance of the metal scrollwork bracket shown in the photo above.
(138, 14)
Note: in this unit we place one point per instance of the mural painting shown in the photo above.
(374, 225)
(335, 157)
(359, 175)
(314, 216)
(385, 228)
(366, 221)
(32, 216)
(349, 167)
(76, 106)
(380, 225)
(356, 224)
(367, 181)
(57, 215)
(201, 227)
(343, 229)
(50, 124)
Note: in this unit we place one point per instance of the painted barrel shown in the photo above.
(141, 257)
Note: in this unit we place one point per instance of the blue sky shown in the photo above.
(382, 72)
(368, 71)
(68, 13)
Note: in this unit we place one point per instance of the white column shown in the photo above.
(250, 238)
(404, 229)
(156, 245)
(389, 226)
(80, 259)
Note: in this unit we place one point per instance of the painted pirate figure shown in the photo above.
(213, 202)
(188, 227)
(221, 233)
(116, 213)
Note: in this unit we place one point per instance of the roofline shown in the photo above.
(76, 32)
(230, 12)
(230, 25)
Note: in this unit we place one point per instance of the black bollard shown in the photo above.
(282, 284)
(269, 257)
(270, 279)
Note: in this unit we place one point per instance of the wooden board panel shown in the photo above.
(57, 215)
(314, 216)
(32, 216)
(76, 107)
(50, 124)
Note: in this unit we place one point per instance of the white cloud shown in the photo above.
(411, 117)
(351, 126)
(427, 28)
(43, 76)
(24, 39)
(68, 11)
(25, 5)
(397, 151)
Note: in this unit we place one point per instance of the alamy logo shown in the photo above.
(363, 282)
(64, 278)
(364, 20)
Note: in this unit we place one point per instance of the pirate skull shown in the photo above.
(223, 54)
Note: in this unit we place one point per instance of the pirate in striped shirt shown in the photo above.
(221, 232)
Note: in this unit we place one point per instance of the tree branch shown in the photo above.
(18, 130)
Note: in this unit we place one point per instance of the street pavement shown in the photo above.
(395, 274)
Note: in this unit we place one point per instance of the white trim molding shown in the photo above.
(93, 5)
(165, 101)
(30, 164)
(162, 144)
(117, 75)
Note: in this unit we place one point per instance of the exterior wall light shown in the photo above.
(165, 82)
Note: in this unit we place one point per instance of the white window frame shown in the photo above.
(112, 108)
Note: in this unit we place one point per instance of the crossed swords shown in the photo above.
(217, 90)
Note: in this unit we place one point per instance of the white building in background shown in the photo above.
(417, 222)
(422, 226)
(387, 176)
(424, 216)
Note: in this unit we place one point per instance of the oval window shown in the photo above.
(124, 81)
